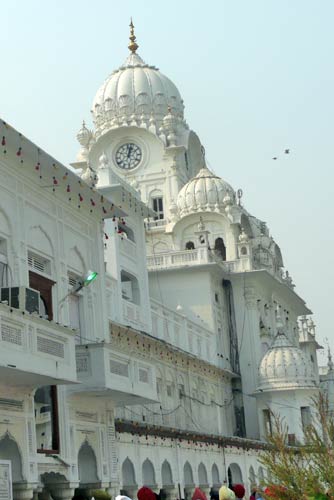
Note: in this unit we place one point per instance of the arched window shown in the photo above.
(166, 474)
(87, 465)
(215, 475)
(130, 287)
(202, 475)
(234, 475)
(188, 474)
(260, 474)
(243, 251)
(10, 451)
(190, 245)
(220, 248)
(148, 473)
(128, 473)
(252, 478)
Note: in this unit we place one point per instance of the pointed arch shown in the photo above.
(39, 239)
(9, 450)
(148, 473)
(166, 474)
(260, 474)
(215, 475)
(87, 464)
(128, 473)
(220, 248)
(202, 475)
(76, 260)
(252, 477)
(188, 475)
(245, 225)
(234, 474)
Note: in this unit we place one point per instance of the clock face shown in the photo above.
(128, 156)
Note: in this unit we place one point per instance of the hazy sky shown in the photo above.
(256, 77)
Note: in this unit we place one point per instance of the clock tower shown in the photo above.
(140, 135)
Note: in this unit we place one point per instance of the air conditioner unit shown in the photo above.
(21, 297)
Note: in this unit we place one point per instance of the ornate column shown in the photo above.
(171, 492)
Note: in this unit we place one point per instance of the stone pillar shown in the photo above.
(188, 492)
(23, 491)
(114, 490)
(171, 492)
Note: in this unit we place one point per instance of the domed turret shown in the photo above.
(134, 93)
(285, 367)
(205, 192)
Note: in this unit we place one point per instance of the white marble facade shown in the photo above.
(161, 372)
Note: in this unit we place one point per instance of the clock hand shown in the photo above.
(129, 151)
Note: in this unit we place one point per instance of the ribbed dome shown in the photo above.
(205, 192)
(284, 366)
(134, 93)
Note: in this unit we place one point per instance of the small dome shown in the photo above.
(205, 192)
(284, 366)
(135, 92)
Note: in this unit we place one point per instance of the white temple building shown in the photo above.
(164, 370)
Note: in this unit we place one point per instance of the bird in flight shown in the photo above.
(275, 158)
(286, 151)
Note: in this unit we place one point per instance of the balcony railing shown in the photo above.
(180, 258)
(155, 224)
(35, 351)
(182, 332)
(132, 313)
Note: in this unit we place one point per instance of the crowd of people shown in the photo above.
(237, 491)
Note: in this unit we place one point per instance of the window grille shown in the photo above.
(158, 207)
(119, 368)
(38, 263)
(143, 375)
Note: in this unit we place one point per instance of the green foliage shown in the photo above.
(305, 471)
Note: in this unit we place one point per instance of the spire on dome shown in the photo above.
(330, 362)
(133, 46)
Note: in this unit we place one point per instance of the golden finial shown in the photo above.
(133, 46)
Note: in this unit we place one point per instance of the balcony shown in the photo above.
(106, 373)
(180, 258)
(155, 225)
(34, 351)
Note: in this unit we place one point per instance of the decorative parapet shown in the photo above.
(137, 428)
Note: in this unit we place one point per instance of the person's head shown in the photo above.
(199, 494)
(239, 490)
(145, 493)
(226, 494)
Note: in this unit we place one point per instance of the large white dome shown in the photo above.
(133, 94)
(284, 366)
(205, 192)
